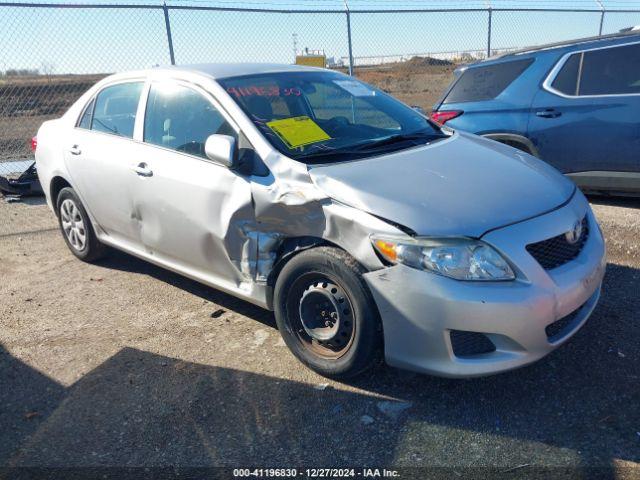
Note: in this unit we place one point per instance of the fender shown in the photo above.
(513, 138)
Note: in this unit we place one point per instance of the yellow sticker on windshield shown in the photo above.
(298, 131)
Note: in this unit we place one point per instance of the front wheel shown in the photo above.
(326, 314)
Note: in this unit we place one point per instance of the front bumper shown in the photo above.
(419, 309)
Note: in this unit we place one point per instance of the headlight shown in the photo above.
(459, 258)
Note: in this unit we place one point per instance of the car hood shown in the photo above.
(464, 185)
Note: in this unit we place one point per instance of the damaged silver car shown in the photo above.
(368, 229)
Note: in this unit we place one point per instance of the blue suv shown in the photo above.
(576, 105)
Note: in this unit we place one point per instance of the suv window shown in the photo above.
(567, 79)
(181, 119)
(115, 109)
(486, 83)
(611, 71)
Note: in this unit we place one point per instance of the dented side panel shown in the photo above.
(216, 225)
(226, 229)
(194, 213)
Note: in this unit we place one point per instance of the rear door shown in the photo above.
(586, 117)
(99, 158)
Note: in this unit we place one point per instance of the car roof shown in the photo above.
(225, 70)
(567, 44)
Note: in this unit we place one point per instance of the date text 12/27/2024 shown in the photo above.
(315, 473)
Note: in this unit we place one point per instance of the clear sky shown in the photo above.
(66, 40)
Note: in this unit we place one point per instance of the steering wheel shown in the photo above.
(338, 123)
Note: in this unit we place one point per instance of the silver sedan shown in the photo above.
(370, 231)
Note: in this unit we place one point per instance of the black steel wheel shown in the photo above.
(326, 313)
(324, 323)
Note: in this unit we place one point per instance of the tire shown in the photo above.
(76, 227)
(341, 335)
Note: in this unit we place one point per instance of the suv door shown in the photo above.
(99, 157)
(585, 119)
(190, 210)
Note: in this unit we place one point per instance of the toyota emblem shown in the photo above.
(574, 235)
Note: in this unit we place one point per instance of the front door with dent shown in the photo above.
(190, 210)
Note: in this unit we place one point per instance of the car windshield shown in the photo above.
(321, 117)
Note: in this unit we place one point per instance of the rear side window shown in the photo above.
(611, 71)
(87, 114)
(115, 109)
(181, 119)
(486, 83)
(567, 79)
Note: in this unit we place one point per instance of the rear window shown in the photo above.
(611, 71)
(567, 79)
(115, 110)
(486, 83)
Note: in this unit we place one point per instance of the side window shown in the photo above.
(115, 109)
(486, 82)
(611, 71)
(567, 79)
(87, 115)
(181, 119)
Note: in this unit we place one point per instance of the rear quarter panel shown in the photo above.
(50, 155)
(53, 139)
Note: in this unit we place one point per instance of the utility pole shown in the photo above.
(295, 47)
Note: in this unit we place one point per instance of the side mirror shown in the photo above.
(221, 149)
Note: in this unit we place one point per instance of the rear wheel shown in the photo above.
(76, 227)
(326, 314)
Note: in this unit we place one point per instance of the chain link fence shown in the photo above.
(52, 53)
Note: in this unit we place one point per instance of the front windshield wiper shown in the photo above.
(340, 151)
(374, 146)
(400, 138)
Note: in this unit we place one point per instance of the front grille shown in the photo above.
(467, 344)
(557, 251)
(558, 329)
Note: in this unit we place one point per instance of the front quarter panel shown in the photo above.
(419, 309)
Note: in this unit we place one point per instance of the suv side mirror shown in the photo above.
(221, 149)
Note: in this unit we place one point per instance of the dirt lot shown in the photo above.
(414, 82)
(27, 101)
(122, 363)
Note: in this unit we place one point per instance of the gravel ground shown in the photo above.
(124, 364)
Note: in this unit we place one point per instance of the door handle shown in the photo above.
(75, 150)
(548, 113)
(143, 170)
